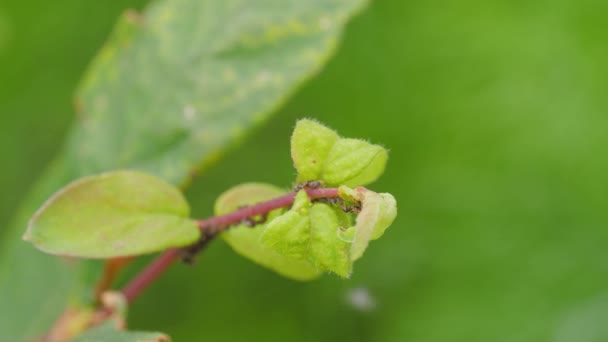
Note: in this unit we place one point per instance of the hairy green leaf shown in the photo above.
(310, 232)
(310, 145)
(246, 240)
(113, 214)
(318, 153)
(289, 233)
(354, 162)
(107, 332)
(327, 250)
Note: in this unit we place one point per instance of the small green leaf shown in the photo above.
(377, 213)
(289, 234)
(111, 215)
(310, 145)
(327, 250)
(310, 232)
(319, 153)
(354, 162)
(246, 241)
(107, 332)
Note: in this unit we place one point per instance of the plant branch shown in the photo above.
(210, 227)
(110, 271)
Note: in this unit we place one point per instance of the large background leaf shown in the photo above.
(168, 92)
(494, 114)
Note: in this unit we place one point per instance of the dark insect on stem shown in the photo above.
(190, 253)
(336, 201)
(353, 208)
(313, 184)
(332, 201)
(253, 221)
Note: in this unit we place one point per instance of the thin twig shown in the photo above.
(110, 271)
(150, 273)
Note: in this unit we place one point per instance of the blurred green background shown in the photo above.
(495, 113)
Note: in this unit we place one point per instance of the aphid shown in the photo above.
(252, 221)
(331, 200)
(356, 208)
(189, 253)
(312, 184)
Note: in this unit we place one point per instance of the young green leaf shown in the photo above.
(377, 213)
(246, 240)
(310, 232)
(318, 153)
(354, 162)
(111, 215)
(327, 250)
(108, 332)
(310, 145)
(289, 233)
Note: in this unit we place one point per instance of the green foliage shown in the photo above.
(318, 153)
(310, 232)
(168, 93)
(246, 240)
(378, 211)
(107, 332)
(354, 162)
(310, 145)
(216, 74)
(317, 233)
(114, 214)
(495, 119)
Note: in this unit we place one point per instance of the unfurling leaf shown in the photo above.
(289, 234)
(246, 240)
(309, 231)
(318, 153)
(114, 214)
(328, 251)
(378, 211)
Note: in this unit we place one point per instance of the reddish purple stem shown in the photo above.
(215, 224)
(150, 273)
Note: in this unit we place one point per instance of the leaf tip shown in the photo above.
(27, 236)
